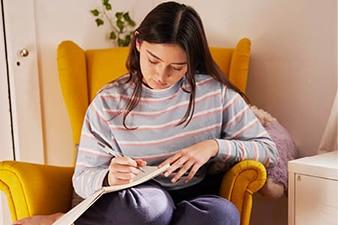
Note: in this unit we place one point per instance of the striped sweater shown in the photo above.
(220, 114)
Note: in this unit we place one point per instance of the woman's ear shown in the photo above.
(137, 41)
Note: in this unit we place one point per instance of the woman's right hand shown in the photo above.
(122, 170)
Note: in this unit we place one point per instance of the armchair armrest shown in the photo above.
(240, 183)
(33, 189)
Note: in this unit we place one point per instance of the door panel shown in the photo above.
(19, 27)
(6, 152)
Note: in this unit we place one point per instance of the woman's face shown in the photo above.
(162, 65)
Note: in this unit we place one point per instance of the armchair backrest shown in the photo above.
(83, 72)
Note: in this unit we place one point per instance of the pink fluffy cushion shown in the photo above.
(277, 180)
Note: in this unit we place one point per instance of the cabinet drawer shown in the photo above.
(316, 200)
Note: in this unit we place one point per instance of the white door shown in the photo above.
(20, 112)
(23, 79)
(6, 152)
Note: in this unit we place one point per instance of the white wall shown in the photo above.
(293, 72)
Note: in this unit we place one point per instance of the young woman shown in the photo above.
(174, 106)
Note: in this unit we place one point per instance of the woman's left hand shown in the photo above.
(192, 158)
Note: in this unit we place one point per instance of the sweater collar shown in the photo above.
(162, 92)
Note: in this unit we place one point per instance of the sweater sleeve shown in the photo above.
(92, 161)
(243, 136)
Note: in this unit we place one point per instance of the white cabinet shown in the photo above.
(313, 187)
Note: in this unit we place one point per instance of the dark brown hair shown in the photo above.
(174, 23)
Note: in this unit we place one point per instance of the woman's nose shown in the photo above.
(161, 73)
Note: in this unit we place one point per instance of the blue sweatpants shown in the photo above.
(150, 204)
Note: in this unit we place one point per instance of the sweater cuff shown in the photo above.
(225, 148)
(220, 151)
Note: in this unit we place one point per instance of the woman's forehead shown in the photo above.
(165, 52)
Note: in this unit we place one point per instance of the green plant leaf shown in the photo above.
(95, 12)
(99, 22)
(119, 15)
(122, 20)
(107, 5)
(127, 39)
(128, 19)
(112, 35)
(120, 42)
(120, 25)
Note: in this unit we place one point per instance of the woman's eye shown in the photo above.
(176, 68)
(151, 61)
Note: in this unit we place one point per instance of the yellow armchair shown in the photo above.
(33, 189)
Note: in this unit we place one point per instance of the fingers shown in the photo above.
(182, 163)
(140, 162)
(171, 159)
(189, 160)
(124, 161)
(123, 170)
(177, 162)
(183, 170)
(192, 173)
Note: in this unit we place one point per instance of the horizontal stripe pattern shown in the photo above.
(220, 114)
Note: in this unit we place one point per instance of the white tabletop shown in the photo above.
(322, 165)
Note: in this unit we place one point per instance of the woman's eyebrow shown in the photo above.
(158, 58)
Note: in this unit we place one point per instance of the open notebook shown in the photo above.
(149, 173)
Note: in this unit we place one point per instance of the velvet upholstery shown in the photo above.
(33, 189)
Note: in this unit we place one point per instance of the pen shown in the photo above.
(114, 153)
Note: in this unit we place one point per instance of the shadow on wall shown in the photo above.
(269, 211)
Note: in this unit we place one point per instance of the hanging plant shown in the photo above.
(121, 23)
